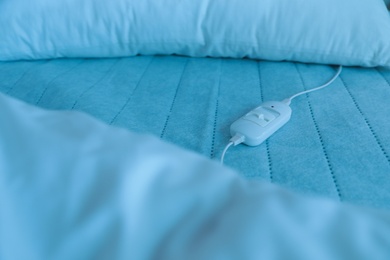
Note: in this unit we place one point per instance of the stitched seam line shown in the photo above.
(212, 151)
(320, 136)
(24, 74)
(266, 143)
(173, 101)
(367, 122)
(260, 81)
(383, 76)
(56, 77)
(271, 176)
(132, 92)
(93, 85)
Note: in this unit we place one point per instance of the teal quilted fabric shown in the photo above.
(337, 143)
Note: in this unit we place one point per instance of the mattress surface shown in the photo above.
(337, 143)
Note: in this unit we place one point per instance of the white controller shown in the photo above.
(260, 123)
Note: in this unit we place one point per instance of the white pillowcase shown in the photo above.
(299, 30)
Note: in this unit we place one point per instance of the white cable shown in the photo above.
(288, 100)
(239, 138)
(235, 140)
(224, 151)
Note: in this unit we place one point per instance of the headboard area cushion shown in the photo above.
(315, 31)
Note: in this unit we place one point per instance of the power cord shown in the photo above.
(288, 100)
(240, 138)
(235, 140)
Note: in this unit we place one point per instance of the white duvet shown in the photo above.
(72, 187)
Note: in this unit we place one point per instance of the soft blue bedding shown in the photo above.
(81, 186)
(74, 188)
(336, 145)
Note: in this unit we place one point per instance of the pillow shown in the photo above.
(316, 31)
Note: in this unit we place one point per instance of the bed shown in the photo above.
(336, 145)
(191, 102)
